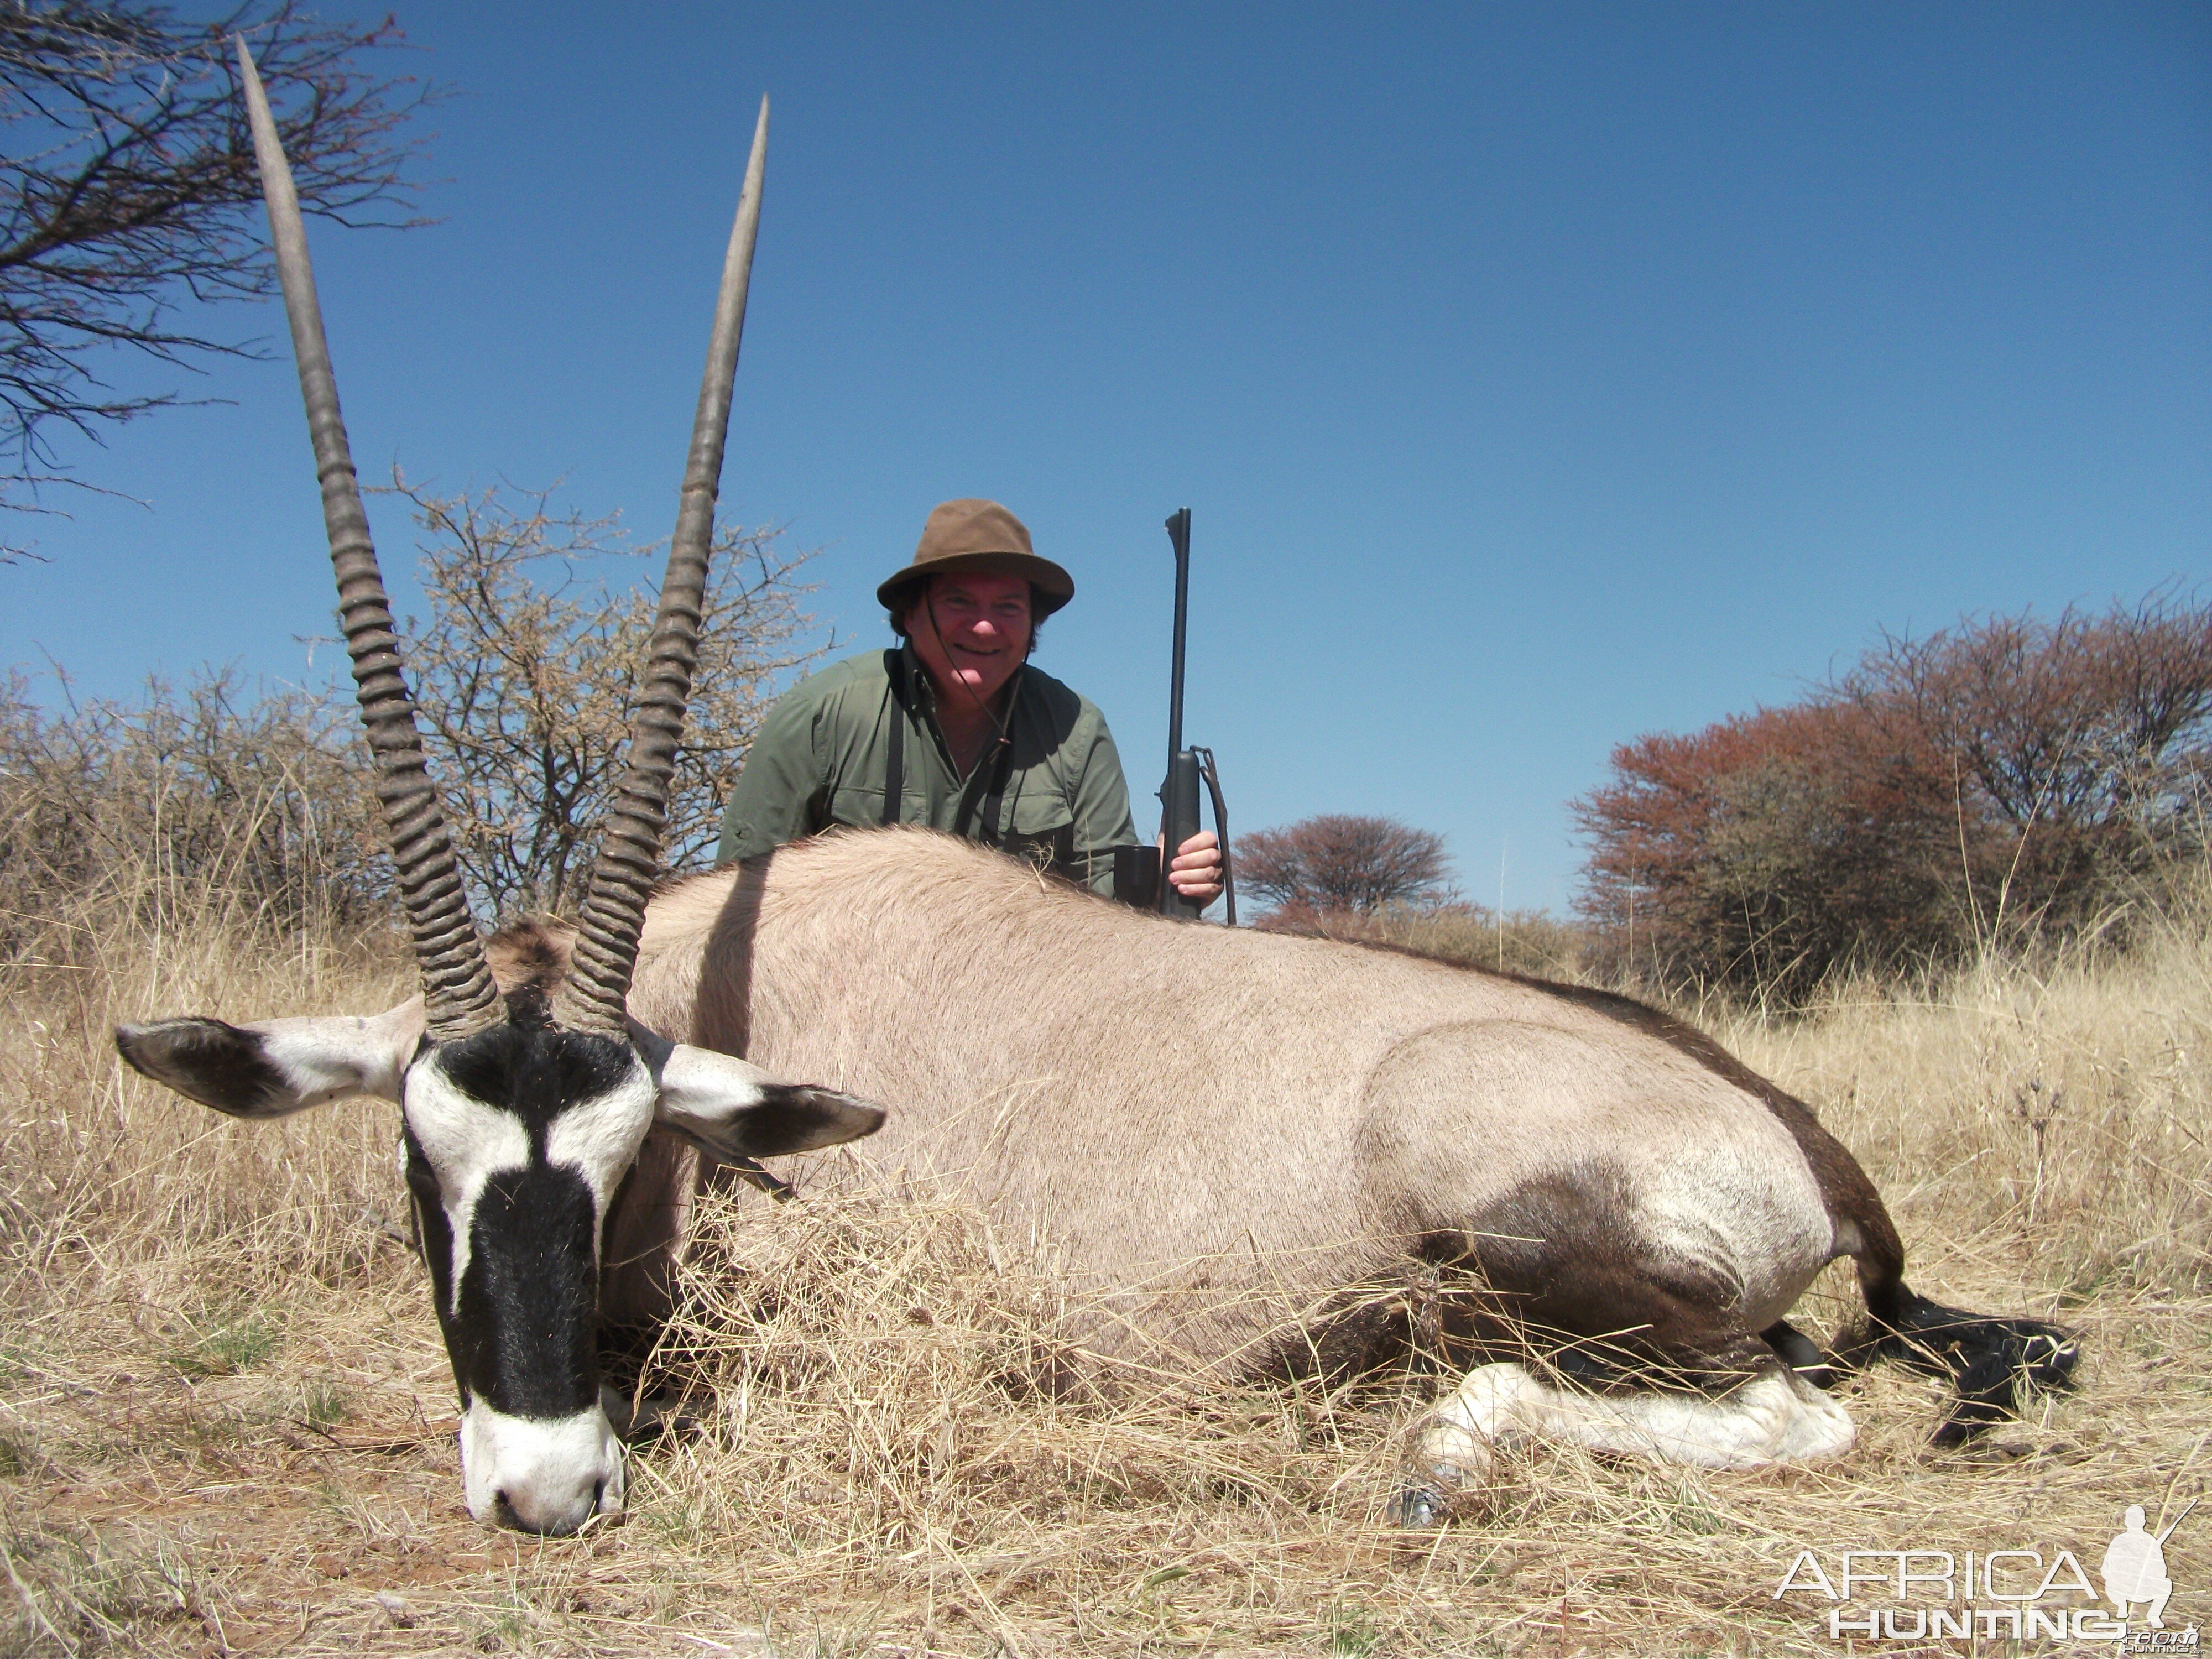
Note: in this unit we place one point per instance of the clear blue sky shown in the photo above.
(1537, 375)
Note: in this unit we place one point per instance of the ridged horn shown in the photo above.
(628, 862)
(457, 991)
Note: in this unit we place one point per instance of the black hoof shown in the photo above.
(1420, 1508)
(1802, 1354)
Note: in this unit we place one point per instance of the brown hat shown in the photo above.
(972, 535)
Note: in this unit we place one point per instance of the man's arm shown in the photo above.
(778, 796)
(1100, 803)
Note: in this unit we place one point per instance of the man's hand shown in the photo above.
(1196, 872)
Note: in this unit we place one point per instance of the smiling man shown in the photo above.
(952, 728)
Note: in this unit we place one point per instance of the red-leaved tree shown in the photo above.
(2010, 771)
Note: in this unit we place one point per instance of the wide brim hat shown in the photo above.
(977, 535)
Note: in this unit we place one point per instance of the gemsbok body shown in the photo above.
(521, 1115)
(1240, 1141)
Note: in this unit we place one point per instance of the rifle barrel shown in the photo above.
(1179, 537)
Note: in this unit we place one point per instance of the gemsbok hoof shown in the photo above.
(1421, 1507)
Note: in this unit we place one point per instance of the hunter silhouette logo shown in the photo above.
(2134, 1569)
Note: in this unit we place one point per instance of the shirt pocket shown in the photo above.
(856, 806)
(1041, 830)
(1038, 814)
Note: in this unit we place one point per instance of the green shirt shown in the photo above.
(1051, 792)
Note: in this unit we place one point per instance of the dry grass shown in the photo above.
(1531, 942)
(224, 1404)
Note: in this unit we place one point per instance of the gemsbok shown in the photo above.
(520, 1117)
(1258, 1153)
(1261, 1154)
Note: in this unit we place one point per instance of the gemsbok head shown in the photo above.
(520, 1119)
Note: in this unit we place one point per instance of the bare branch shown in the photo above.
(527, 670)
(128, 190)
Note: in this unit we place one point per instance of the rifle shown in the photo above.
(1146, 868)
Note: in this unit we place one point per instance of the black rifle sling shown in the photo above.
(895, 762)
(991, 774)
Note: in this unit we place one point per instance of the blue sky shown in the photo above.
(1538, 376)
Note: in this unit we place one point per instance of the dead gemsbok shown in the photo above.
(522, 1117)
(1259, 1152)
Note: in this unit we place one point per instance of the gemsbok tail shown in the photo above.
(1996, 1364)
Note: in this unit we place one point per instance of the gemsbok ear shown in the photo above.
(735, 1110)
(275, 1067)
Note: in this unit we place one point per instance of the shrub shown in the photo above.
(1343, 862)
(262, 796)
(2010, 775)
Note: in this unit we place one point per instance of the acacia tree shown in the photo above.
(1343, 862)
(128, 188)
(527, 672)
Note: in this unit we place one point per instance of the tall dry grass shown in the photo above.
(224, 1410)
(1532, 942)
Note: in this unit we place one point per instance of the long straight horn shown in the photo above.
(457, 987)
(628, 862)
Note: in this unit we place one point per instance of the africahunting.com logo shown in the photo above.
(2010, 1595)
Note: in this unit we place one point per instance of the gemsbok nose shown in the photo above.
(543, 1476)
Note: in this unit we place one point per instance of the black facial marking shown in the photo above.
(522, 1339)
(534, 1072)
(437, 1231)
(204, 1060)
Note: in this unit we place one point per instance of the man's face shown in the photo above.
(971, 629)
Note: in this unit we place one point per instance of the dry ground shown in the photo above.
(225, 1417)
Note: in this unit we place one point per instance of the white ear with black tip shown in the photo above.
(275, 1067)
(735, 1110)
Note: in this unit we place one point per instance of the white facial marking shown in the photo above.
(705, 1084)
(554, 1473)
(1774, 1418)
(599, 1138)
(467, 1143)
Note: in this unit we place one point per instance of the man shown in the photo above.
(952, 728)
